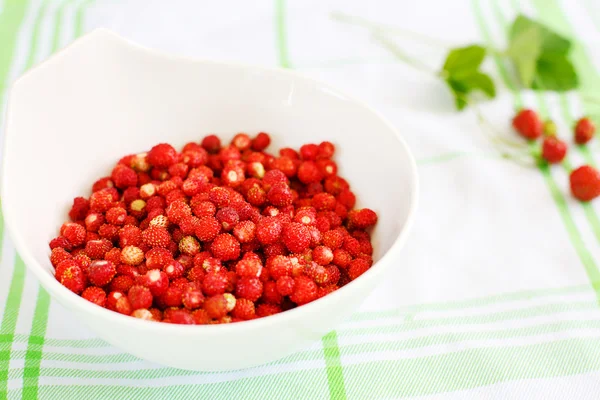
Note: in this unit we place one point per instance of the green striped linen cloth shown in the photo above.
(496, 294)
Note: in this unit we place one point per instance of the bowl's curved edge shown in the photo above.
(66, 297)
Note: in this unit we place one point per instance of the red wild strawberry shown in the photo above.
(347, 199)
(211, 143)
(279, 266)
(585, 183)
(192, 297)
(157, 281)
(308, 172)
(249, 267)
(285, 285)
(95, 295)
(97, 248)
(268, 230)
(58, 255)
(216, 306)
(271, 177)
(195, 158)
(361, 219)
(156, 237)
(528, 124)
(219, 196)
(174, 269)
(261, 141)
(102, 183)
(124, 176)
(162, 155)
(83, 260)
(70, 275)
(101, 272)
(60, 242)
(309, 151)
(584, 130)
(74, 233)
(158, 257)
(178, 169)
(305, 290)
(101, 201)
(211, 264)
(225, 247)
(249, 288)
(296, 237)
(121, 283)
(326, 150)
(244, 309)
(245, 231)
(173, 297)
(285, 165)
(79, 209)
(241, 141)
(207, 228)
(109, 232)
(113, 255)
(116, 216)
(232, 175)
(264, 310)
(322, 255)
(203, 208)
(201, 317)
(177, 211)
(256, 196)
(228, 218)
(280, 195)
(214, 283)
(553, 149)
(357, 267)
(140, 297)
(130, 235)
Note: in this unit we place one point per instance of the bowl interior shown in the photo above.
(71, 118)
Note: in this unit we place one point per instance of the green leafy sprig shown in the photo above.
(539, 56)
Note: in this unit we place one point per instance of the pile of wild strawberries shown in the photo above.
(214, 234)
(585, 180)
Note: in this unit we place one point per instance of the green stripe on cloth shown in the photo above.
(281, 34)
(335, 372)
(11, 17)
(9, 320)
(35, 345)
(559, 199)
(33, 355)
(471, 368)
(403, 342)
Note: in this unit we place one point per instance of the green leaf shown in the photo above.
(540, 56)
(555, 72)
(524, 49)
(459, 91)
(461, 87)
(464, 60)
(550, 41)
(484, 83)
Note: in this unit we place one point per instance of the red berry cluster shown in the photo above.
(585, 180)
(214, 234)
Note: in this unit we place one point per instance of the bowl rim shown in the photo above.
(64, 295)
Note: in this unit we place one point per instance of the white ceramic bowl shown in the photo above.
(73, 116)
